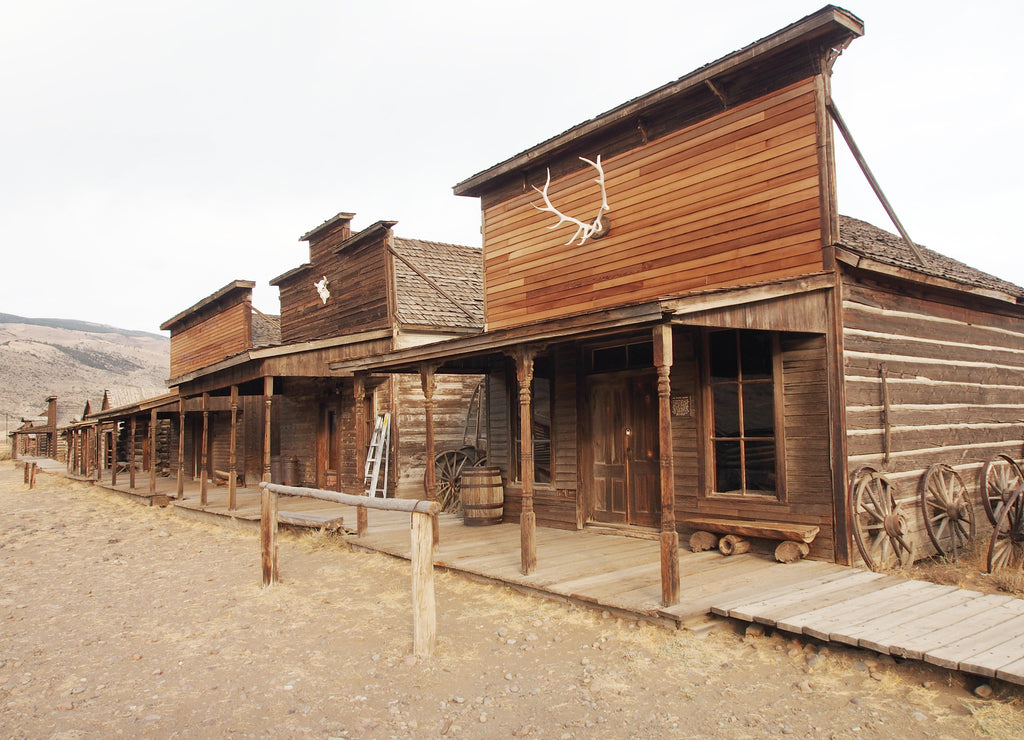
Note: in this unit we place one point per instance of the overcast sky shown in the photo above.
(152, 152)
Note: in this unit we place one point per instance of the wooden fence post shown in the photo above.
(268, 535)
(424, 612)
(32, 477)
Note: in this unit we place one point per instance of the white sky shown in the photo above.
(152, 152)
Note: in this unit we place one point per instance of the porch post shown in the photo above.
(180, 489)
(113, 453)
(203, 462)
(527, 519)
(427, 381)
(233, 449)
(669, 535)
(152, 451)
(359, 394)
(268, 397)
(131, 455)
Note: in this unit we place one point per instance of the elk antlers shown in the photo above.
(596, 229)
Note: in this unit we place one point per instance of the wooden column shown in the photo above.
(427, 371)
(152, 451)
(268, 397)
(528, 519)
(203, 462)
(362, 444)
(233, 451)
(113, 452)
(424, 608)
(669, 535)
(268, 536)
(180, 489)
(131, 455)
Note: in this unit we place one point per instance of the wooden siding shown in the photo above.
(955, 382)
(212, 340)
(808, 498)
(357, 280)
(732, 200)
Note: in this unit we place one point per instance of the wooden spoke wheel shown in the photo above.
(947, 509)
(448, 468)
(1000, 476)
(880, 527)
(1006, 548)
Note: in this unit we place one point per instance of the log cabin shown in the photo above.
(682, 333)
(256, 398)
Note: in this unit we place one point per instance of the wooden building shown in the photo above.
(39, 436)
(680, 327)
(257, 400)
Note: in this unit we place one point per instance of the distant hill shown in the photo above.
(75, 361)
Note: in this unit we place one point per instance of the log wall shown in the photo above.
(734, 199)
(954, 377)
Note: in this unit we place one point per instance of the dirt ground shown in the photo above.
(121, 620)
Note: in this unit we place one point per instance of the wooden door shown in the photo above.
(625, 475)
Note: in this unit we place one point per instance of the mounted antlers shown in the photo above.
(584, 231)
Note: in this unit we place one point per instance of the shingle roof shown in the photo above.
(454, 282)
(266, 329)
(881, 246)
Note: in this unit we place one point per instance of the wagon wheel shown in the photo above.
(1006, 549)
(879, 525)
(1000, 476)
(947, 509)
(448, 474)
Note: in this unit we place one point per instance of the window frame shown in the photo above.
(708, 437)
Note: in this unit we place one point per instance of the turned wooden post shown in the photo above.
(233, 450)
(424, 611)
(528, 519)
(180, 488)
(203, 462)
(113, 453)
(152, 452)
(268, 397)
(669, 535)
(362, 443)
(268, 535)
(427, 381)
(131, 455)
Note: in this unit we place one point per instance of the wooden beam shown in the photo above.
(424, 609)
(131, 456)
(359, 395)
(204, 462)
(152, 452)
(180, 488)
(524, 357)
(669, 535)
(427, 381)
(268, 535)
(268, 397)
(233, 452)
(113, 452)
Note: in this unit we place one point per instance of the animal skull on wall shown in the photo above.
(599, 227)
(321, 288)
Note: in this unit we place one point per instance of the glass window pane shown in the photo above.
(727, 467)
(760, 464)
(727, 410)
(724, 362)
(756, 354)
(758, 410)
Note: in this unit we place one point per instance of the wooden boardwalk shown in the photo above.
(943, 625)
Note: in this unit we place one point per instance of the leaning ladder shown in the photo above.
(378, 452)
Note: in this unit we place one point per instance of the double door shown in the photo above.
(625, 474)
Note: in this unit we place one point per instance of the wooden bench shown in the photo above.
(795, 539)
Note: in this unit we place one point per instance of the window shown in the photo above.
(541, 407)
(744, 450)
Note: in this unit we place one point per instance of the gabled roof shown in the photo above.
(874, 245)
(235, 290)
(266, 329)
(438, 284)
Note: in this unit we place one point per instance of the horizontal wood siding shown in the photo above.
(809, 496)
(357, 280)
(218, 337)
(732, 200)
(954, 376)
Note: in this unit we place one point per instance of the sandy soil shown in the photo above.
(119, 620)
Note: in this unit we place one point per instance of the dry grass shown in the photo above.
(998, 719)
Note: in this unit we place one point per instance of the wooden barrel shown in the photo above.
(483, 496)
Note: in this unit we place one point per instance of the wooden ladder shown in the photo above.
(378, 452)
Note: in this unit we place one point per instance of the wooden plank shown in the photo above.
(1012, 672)
(749, 609)
(787, 616)
(974, 638)
(1006, 647)
(972, 617)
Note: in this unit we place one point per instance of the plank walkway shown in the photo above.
(943, 625)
